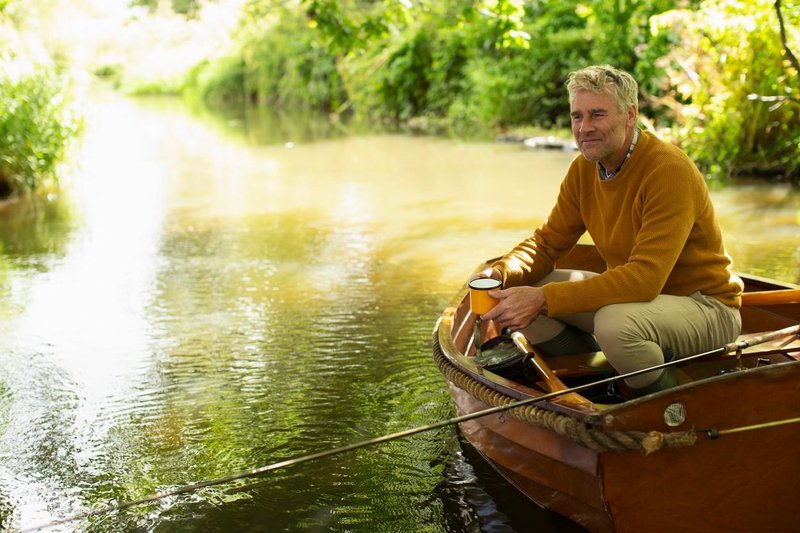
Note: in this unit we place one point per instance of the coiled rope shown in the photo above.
(566, 426)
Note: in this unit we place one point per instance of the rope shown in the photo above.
(598, 440)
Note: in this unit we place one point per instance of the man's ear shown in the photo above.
(633, 114)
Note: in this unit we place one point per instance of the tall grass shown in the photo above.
(37, 124)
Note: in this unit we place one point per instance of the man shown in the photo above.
(668, 290)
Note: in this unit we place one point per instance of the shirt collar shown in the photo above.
(605, 174)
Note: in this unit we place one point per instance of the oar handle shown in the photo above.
(776, 297)
(552, 382)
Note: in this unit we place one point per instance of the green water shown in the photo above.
(215, 293)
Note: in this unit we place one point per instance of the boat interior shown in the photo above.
(549, 373)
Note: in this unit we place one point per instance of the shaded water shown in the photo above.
(212, 294)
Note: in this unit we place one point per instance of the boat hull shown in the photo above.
(550, 469)
(747, 480)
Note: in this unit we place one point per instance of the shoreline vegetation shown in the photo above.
(720, 78)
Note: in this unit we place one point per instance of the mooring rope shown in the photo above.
(595, 439)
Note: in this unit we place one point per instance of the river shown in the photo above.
(213, 293)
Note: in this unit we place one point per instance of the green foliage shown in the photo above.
(36, 125)
(219, 82)
(183, 7)
(353, 25)
(618, 30)
(713, 72)
(289, 66)
(496, 25)
(523, 85)
(433, 68)
(450, 54)
(734, 98)
(402, 86)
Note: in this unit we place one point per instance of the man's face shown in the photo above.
(600, 129)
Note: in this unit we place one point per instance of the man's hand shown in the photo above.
(517, 307)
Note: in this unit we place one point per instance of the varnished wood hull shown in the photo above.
(745, 479)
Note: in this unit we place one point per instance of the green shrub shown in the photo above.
(37, 124)
(401, 85)
(184, 7)
(524, 85)
(714, 71)
(735, 104)
(287, 65)
(218, 82)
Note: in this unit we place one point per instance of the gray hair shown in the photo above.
(599, 79)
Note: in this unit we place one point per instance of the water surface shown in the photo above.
(214, 293)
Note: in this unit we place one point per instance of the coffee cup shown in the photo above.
(479, 300)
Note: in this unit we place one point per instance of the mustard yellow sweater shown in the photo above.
(653, 223)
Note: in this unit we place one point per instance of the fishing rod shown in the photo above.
(730, 347)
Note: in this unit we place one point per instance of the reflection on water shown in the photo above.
(762, 225)
(206, 298)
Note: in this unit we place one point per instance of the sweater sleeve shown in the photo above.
(535, 257)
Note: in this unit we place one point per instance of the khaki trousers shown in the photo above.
(636, 335)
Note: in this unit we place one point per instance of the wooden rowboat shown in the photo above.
(719, 452)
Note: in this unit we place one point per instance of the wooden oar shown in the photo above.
(552, 383)
(776, 297)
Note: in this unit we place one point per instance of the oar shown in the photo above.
(776, 297)
(552, 383)
(733, 346)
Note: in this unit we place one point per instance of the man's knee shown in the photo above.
(626, 346)
(608, 327)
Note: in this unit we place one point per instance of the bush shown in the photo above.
(399, 89)
(713, 73)
(36, 125)
(218, 82)
(524, 85)
(735, 105)
(288, 66)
